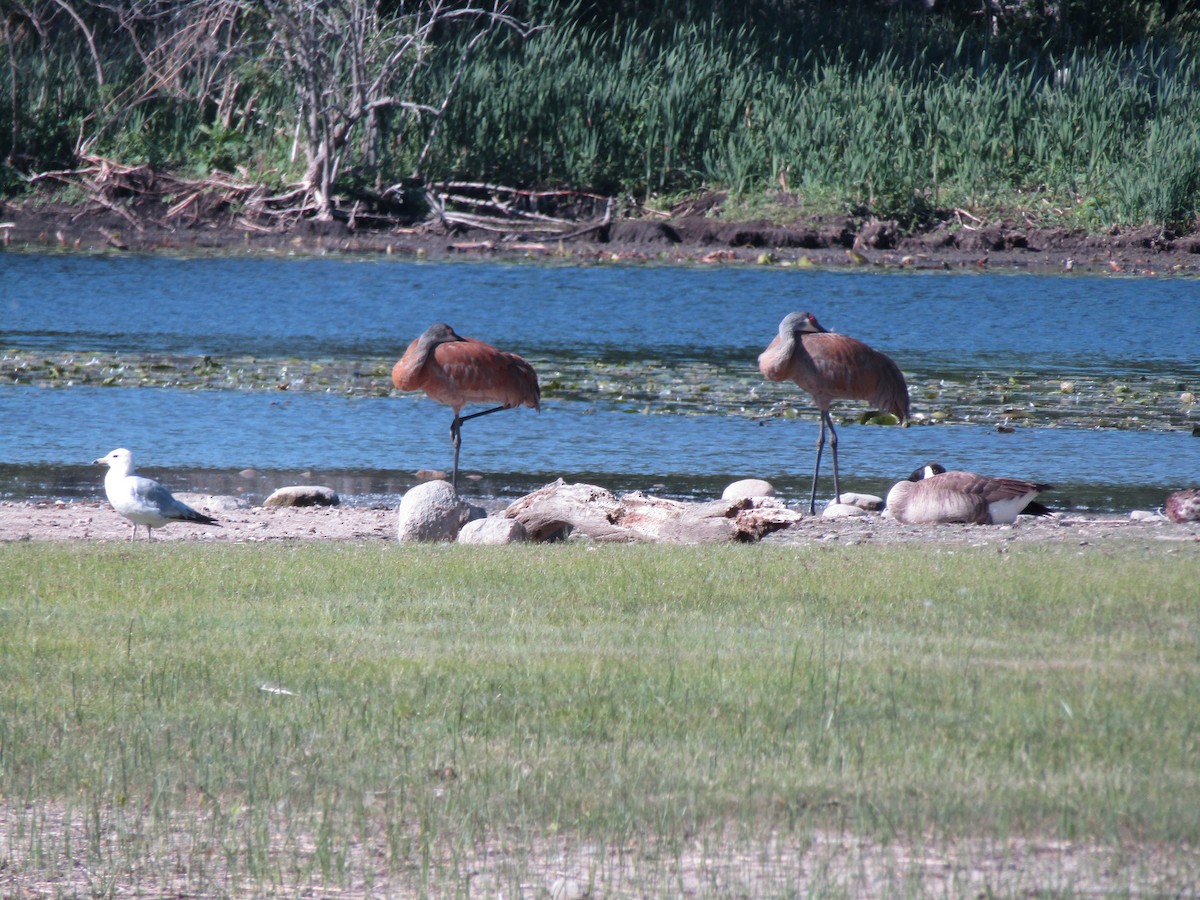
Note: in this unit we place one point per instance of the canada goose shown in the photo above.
(931, 496)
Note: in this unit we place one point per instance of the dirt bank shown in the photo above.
(95, 521)
(692, 234)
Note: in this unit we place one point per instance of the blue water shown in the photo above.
(932, 323)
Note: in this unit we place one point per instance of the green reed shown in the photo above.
(1103, 137)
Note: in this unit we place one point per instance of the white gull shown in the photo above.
(143, 501)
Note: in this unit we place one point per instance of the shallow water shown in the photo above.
(648, 375)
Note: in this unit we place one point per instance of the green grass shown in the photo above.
(611, 696)
(1085, 139)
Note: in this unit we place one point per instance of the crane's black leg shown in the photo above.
(484, 413)
(456, 437)
(837, 490)
(812, 500)
(456, 442)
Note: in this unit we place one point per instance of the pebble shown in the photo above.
(843, 511)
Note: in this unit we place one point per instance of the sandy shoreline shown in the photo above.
(96, 522)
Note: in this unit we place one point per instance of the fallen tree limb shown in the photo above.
(603, 223)
(559, 509)
(141, 195)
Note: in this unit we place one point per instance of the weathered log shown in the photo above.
(559, 509)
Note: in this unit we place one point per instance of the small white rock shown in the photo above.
(303, 495)
(869, 502)
(842, 511)
(748, 487)
(1143, 515)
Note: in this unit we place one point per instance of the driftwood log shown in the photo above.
(560, 509)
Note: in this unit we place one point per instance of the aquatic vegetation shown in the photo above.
(657, 387)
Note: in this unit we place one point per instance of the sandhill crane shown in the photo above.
(143, 501)
(832, 367)
(456, 370)
(933, 496)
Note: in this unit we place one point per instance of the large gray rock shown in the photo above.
(303, 495)
(493, 530)
(432, 512)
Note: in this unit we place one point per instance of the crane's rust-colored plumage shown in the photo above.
(456, 370)
(933, 496)
(833, 367)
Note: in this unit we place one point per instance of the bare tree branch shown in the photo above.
(349, 61)
(87, 34)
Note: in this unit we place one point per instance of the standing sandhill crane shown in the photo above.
(933, 496)
(456, 370)
(832, 367)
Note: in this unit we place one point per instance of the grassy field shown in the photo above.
(357, 719)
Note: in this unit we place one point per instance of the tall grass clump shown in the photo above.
(611, 111)
(653, 112)
(242, 719)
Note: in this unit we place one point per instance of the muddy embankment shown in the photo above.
(692, 233)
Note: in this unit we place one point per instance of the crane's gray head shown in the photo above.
(439, 333)
(800, 323)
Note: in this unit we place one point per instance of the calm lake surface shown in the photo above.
(205, 367)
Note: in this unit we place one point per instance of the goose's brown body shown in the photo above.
(932, 496)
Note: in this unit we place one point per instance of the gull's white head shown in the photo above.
(119, 460)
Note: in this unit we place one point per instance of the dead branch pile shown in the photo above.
(144, 196)
(515, 212)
